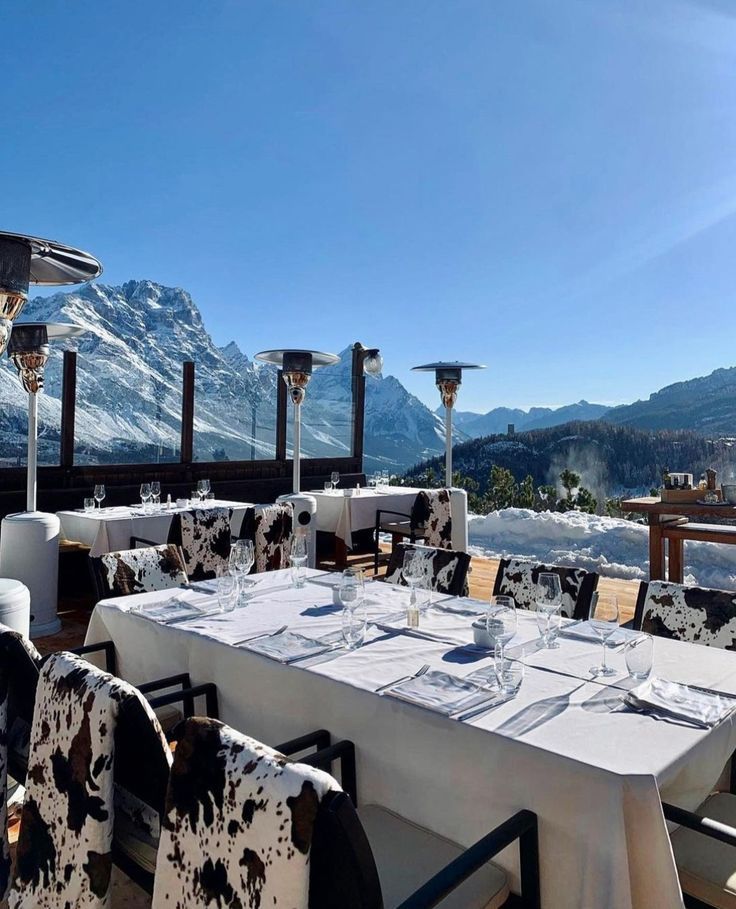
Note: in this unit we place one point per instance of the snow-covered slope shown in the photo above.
(129, 389)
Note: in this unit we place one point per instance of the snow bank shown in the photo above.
(610, 546)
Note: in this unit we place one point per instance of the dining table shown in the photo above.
(110, 529)
(567, 745)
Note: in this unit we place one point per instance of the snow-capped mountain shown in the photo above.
(129, 377)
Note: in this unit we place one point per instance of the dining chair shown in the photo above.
(518, 579)
(430, 520)
(445, 571)
(700, 615)
(204, 536)
(117, 574)
(271, 529)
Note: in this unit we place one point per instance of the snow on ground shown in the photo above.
(611, 546)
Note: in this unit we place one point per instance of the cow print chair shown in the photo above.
(446, 571)
(518, 579)
(271, 530)
(204, 536)
(699, 615)
(144, 570)
(429, 521)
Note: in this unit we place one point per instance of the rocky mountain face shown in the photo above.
(497, 420)
(129, 379)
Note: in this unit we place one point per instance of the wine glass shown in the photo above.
(201, 490)
(548, 597)
(99, 494)
(298, 558)
(156, 492)
(413, 572)
(501, 622)
(604, 621)
(145, 494)
(334, 479)
(240, 562)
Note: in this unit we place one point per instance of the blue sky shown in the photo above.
(547, 187)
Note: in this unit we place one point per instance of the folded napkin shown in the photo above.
(586, 632)
(290, 646)
(673, 699)
(440, 692)
(172, 611)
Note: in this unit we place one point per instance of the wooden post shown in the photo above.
(68, 408)
(187, 413)
(358, 403)
(656, 549)
(281, 417)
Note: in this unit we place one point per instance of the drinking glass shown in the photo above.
(501, 621)
(413, 572)
(510, 673)
(298, 558)
(227, 592)
(639, 655)
(145, 494)
(328, 486)
(89, 504)
(201, 490)
(354, 622)
(352, 588)
(335, 478)
(99, 494)
(240, 562)
(206, 486)
(604, 621)
(156, 492)
(548, 598)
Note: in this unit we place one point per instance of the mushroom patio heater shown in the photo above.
(297, 367)
(448, 377)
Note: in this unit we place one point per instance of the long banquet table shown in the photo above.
(110, 529)
(565, 746)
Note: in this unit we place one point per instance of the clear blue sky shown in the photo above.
(547, 187)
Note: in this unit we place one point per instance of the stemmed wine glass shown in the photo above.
(156, 492)
(548, 598)
(413, 572)
(99, 494)
(352, 594)
(145, 495)
(298, 558)
(242, 557)
(501, 622)
(203, 487)
(604, 621)
(334, 479)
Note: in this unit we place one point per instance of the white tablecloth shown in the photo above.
(110, 529)
(564, 747)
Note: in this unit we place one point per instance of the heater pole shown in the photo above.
(32, 452)
(448, 447)
(297, 445)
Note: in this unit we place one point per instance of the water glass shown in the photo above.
(604, 620)
(328, 486)
(298, 560)
(99, 494)
(639, 655)
(354, 621)
(352, 588)
(501, 621)
(227, 592)
(89, 504)
(510, 673)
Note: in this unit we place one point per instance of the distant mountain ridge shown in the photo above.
(497, 420)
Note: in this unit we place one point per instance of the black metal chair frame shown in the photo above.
(585, 596)
(412, 534)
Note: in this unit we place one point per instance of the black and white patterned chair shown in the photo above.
(518, 579)
(204, 536)
(429, 521)
(446, 571)
(271, 529)
(144, 570)
(697, 614)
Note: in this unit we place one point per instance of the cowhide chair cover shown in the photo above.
(204, 537)
(518, 579)
(270, 527)
(238, 825)
(696, 614)
(432, 511)
(141, 570)
(445, 571)
(8, 639)
(64, 850)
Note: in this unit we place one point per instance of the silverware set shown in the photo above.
(263, 634)
(403, 678)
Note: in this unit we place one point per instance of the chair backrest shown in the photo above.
(143, 570)
(518, 579)
(432, 511)
(270, 527)
(445, 570)
(20, 664)
(697, 614)
(204, 536)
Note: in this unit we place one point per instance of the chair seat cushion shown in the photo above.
(707, 867)
(407, 856)
(403, 528)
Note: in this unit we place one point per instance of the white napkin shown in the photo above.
(680, 701)
(440, 692)
(174, 610)
(586, 632)
(290, 646)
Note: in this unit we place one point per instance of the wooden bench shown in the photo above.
(676, 534)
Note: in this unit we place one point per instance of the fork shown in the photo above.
(403, 678)
(263, 634)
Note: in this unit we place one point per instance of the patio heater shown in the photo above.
(448, 377)
(296, 367)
